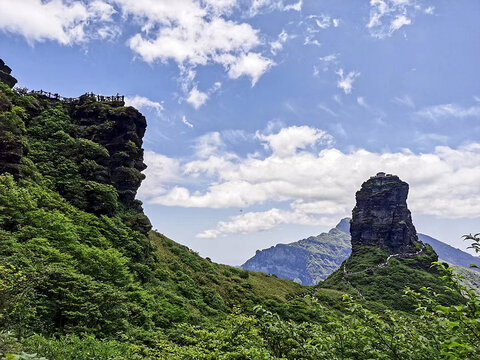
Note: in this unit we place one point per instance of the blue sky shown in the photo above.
(264, 117)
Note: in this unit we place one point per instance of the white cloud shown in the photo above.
(208, 145)
(346, 82)
(66, 22)
(327, 109)
(193, 33)
(362, 102)
(197, 43)
(322, 21)
(141, 102)
(259, 221)
(262, 6)
(309, 40)
(399, 21)
(295, 6)
(405, 100)
(328, 61)
(186, 122)
(445, 111)
(277, 45)
(388, 16)
(190, 33)
(289, 140)
(221, 6)
(251, 64)
(197, 98)
(430, 10)
(161, 172)
(315, 185)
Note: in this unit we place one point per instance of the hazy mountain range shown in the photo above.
(310, 260)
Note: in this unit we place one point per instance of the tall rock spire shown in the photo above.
(381, 217)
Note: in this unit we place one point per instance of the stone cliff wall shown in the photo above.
(381, 217)
(5, 76)
(120, 130)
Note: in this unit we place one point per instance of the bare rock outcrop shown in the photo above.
(381, 216)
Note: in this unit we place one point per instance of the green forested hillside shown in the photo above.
(77, 240)
(82, 276)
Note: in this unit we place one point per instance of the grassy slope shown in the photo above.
(233, 285)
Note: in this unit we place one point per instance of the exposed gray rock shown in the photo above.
(381, 217)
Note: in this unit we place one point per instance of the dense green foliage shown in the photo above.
(81, 276)
(367, 276)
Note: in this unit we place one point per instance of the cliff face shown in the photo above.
(381, 217)
(89, 151)
(5, 76)
(120, 130)
(306, 261)
(12, 128)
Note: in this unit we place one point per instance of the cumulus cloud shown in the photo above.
(345, 82)
(193, 33)
(315, 185)
(289, 140)
(161, 172)
(190, 33)
(66, 22)
(445, 111)
(208, 145)
(221, 6)
(251, 64)
(141, 102)
(259, 221)
(197, 98)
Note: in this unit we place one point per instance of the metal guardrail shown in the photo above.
(56, 96)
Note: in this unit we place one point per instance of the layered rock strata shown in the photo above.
(381, 217)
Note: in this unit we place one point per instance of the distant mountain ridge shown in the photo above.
(449, 253)
(310, 260)
(306, 261)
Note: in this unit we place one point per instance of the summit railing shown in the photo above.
(56, 96)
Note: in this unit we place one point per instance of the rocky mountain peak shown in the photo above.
(381, 216)
(344, 225)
